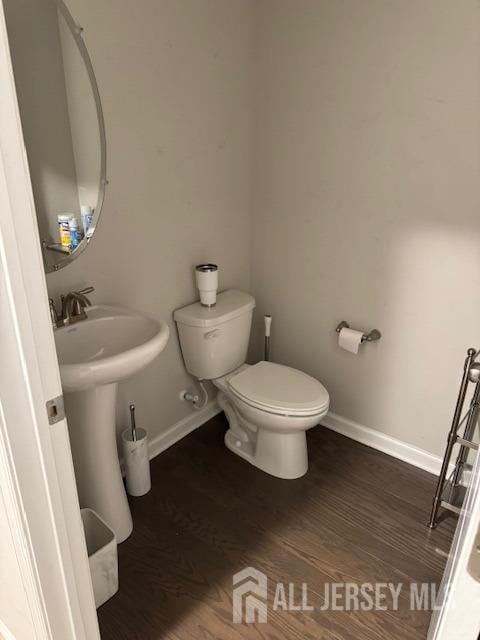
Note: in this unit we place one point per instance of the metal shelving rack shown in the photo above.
(450, 492)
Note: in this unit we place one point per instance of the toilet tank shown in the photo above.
(214, 340)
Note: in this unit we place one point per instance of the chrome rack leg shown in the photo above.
(451, 440)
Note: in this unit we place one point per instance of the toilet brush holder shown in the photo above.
(135, 456)
(137, 463)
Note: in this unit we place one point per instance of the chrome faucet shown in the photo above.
(73, 308)
(74, 305)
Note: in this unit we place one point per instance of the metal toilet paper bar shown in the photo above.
(366, 337)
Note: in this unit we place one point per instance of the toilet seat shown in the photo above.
(280, 390)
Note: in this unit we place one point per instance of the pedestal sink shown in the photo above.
(94, 355)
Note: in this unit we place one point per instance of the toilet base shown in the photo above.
(283, 455)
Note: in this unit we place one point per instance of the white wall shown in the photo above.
(174, 78)
(366, 200)
(356, 165)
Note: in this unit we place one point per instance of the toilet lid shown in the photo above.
(279, 389)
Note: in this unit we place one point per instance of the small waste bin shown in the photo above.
(102, 556)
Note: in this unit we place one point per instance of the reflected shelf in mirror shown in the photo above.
(57, 248)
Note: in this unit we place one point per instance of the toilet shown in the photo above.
(269, 406)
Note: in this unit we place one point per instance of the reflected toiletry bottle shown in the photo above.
(87, 215)
(75, 232)
(64, 230)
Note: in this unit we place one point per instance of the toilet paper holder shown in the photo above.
(367, 337)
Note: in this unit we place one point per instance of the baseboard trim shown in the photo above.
(179, 430)
(367, 436)
(182, 428)
(378, 440)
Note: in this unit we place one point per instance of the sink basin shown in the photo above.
(111, 345)
(94, 355)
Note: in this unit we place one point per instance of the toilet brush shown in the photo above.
(132, 422)
(268, 325)
(135, 455)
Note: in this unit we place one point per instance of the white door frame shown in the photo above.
(459, 616)
(37, 481)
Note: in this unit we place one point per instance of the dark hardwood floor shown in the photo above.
(358, 516)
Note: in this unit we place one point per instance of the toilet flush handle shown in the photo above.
(211, 334)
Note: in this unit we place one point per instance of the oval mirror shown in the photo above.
(62, 125)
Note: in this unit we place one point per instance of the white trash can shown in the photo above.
(102, 556)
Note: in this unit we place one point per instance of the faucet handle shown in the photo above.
(86, 291)
(82, 295)
(53, 313)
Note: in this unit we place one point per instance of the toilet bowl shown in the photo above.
(269, 406)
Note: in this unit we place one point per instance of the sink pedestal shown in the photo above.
(110, 345)
(91, 424)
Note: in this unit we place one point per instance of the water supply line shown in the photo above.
(204, 402)
(268, 325)
(195, 398)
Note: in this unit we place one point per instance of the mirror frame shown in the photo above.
(77, 33)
